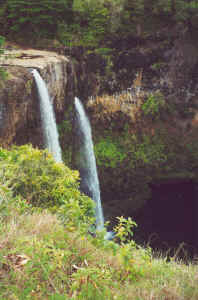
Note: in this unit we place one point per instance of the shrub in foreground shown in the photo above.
(41, 258)
(33, 175)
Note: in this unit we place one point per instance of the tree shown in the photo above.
(40, 18)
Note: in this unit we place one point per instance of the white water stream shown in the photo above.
(89, 177)
(48, 118)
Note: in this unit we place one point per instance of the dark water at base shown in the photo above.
(169, 221)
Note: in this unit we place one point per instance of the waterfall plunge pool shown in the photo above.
(169, 221)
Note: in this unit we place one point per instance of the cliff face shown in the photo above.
(19, 105)
(149, 134)
(134, 145)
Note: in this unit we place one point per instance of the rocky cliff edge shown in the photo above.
(19, 105)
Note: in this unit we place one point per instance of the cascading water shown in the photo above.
(87, 162)
(48, 119)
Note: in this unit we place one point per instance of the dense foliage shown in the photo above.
(43, 258)
(104, 32)
(92, 21)
(131, 154)
(33, 175)
(40, 18)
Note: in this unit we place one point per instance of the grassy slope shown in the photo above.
(42, 258)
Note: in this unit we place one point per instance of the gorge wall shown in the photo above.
(135, 144)
(19, 106)
(149, 138)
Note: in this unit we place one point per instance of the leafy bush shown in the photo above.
(34, 175)
(150, 151)
(42, 259)
(124, 229)
(108, 153)
(153, 105)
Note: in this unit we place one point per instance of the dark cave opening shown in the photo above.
(168, 221)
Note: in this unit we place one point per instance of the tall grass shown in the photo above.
(51, 256)
(42, 259)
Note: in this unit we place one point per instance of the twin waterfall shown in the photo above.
(47, 118)
(87, 161)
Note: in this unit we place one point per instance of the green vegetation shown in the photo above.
(35, 177)
(66, 135)
(92, 23)
(103, 31)
(153, 105)
(3, 73)
(41, 18)
(2, 40)
(131, 156)
(46, 256)
(113, 151)
(46, 251)
(108, 153)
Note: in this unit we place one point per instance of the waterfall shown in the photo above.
(87, 162)
(47, 118)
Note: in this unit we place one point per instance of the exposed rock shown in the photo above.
(89, 69)
(183, 62)
(161, 141)
(19, 107)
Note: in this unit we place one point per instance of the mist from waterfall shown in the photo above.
(87, 164)
(48, 118)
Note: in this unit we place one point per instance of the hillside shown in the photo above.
(47, 255)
